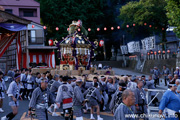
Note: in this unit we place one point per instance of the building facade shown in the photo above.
(28, 9)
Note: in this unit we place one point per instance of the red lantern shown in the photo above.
(150, 26)
(164, 51)
(98, 29)
(67, 29)
(162, 28)
(33, 26)
(168, 51)
(159, 52)
(112, 28)
(101, 43)
(89, 29)
(44, 27)
(50, 42)
(127, 26)
(134, 24)
(79, 29)
(145, 24)
(118, 27)
(151, 52)
(155, 52)
(57, 28)
(148, 53)
(105, 28)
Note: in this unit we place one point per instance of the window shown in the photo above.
(33, 36)
(8, 10)
(28, 12)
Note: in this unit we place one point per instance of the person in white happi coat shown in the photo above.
(13, 94)
(30, 83)
(65, 95)
(40, 99)
(2, 91)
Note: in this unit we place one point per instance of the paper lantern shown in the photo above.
(162, 28)
(79, 29)
(150, 26)
(148, 53)
(155, 52)
(44, 27)
(164, 51)
(89, 29)
(98, 29)
(50, 42)
(134, 24)
(151, 52)
(67, 29)
(112, 28)
(145, 24)
(33, 26)
(159, 52)
(118, 27)
(168, 51)
(101, 43)
(57, 28)
(105, 28)
(127, 26)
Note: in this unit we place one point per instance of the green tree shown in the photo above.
(61, 13)
(173, 13)
(152, 12)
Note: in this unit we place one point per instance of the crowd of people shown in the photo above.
(77, 95)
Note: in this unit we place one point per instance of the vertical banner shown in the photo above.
(149, 43)
(124, 49)
(19, 51)
(131, 47)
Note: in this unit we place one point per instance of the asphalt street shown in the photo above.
(23, 108)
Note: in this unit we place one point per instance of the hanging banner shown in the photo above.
(131, 47)
(124, 49)
(148, 43)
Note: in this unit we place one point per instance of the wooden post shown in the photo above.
(27, 50)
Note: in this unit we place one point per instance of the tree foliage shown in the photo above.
(152, 12)
(61, 13)
(173, 13)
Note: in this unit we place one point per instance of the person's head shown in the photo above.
(164, 66)
(43, 75)
(17, 77)
(170, 77)
(173, 87)
(1, 74)
(143, 77)
(134, 78)
(140, 84)
(69, 80)
(95, 79)
(122, 86)
(150, 77)
(110, 80)
(177, 82)
(65, 79)
(128, 97)
(44, 83)
(56, 77)
(155, 68)
(26, 71)
(79, 82)
(103, 78)
(95, 85)
(177, 68)
(47, 73)
(23, 70)
(60, 78)
(38, 75)
(30, 72)
(175, 76)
